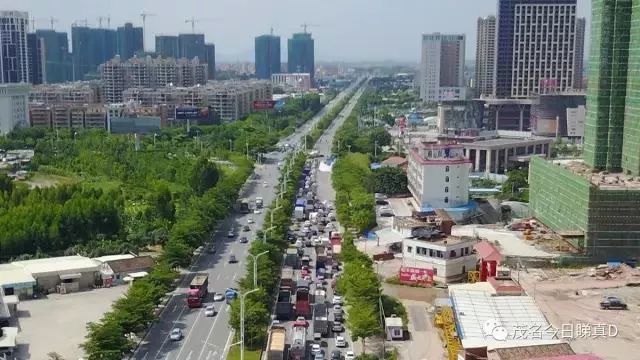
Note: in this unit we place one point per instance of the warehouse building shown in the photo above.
(15, 280)
(61, 274)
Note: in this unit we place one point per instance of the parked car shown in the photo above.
(250, 220)
(176, 334)
(337, 327)
(211, 249)
(612, 302)
(209, 310)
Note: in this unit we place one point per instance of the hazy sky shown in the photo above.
(349, 30)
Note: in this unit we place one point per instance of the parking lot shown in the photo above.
(58, 323)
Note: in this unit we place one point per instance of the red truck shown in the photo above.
(198, 289)
(303, 301)
(336, 238)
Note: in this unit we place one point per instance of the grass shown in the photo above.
(39, 179)
(234, 354)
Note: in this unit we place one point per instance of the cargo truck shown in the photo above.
(319, 296)
(259, 202)
(286, 278)
(276, 342)
(292, 259)
(244, 206)
(303, 306)
(321, 319)
(321, 257)
(299, 213)
(298, 345)
(198, 289)
(301, 202)
(283, 304)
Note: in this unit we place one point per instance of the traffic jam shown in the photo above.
(308, 316)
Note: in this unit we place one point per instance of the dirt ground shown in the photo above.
(572, 297)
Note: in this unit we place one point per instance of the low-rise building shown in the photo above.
(8, 337)
(119, 269)
(294, 82)
(15, 280)
(438, 177)
(61, 274)
(14, 106)
(394, 328)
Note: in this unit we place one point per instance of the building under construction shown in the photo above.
(86, 92)
(64, 116)
(231, 100)
(117, 75)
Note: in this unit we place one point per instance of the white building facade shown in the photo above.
(297, 82)
(14, 106)
(442, 67)
(485, 55)
(449, 258)
(439, 176)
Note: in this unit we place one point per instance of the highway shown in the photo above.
(208, 338)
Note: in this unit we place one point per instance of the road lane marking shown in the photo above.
(227, 345)
(188, 356)
(218, 277)
(213, 326)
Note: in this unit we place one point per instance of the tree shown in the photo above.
(204, 175)
(390, 180)
(161, 202)
(256, 317)
(176, 253)
(106, 340)
(363, 321)
(514, 188)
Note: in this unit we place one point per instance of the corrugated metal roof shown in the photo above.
(58, 265)
(15, 277)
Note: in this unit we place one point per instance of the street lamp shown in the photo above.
(242, 296)
(247, 144)
(230, 145)
(349, 146)
(255, 267)
(264, 233)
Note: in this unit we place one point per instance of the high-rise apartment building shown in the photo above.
(191, 45)
(267, 56)
(535, 47)
(301, 58)
(57, 59)
(442, 67)
(485, 55)
(35, 50)
(597, 201)
(130, 41)
(14, 107)
(14, 53)
(578, 62)
(210, 60)
(91, 47)
(167, 46)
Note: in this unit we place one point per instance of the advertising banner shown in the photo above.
(263, 104)
(416, 276)
(198, 115)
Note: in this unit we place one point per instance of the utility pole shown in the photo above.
(375, 149)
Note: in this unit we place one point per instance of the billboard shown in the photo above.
(263, 104)
(197, 115)
(416, 276)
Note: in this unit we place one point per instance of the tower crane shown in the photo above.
(52, 21)
(193, 22)
(101, 18)
(33, 23)
(305, 26)
(80, 22)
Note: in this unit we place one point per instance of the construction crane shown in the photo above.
(80, 22)
(52, 21)
(305, 26)
(33, 23)
(101, 18)
(193, 22)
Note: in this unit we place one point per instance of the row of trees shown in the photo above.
(257, 304)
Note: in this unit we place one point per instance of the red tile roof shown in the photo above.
(487, 251)
(569, 357)
(395, 160)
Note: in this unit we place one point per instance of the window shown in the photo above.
(396, 333)
(446, 200)
(446, 168)
(446, 179)
(409, 249)
(446, 189)
(452, 254)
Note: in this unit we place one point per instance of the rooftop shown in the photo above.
(528, 352)
(393, 321)
(479, 313)
(128, 265)
(569, 357)
(107, 258)
(395, 160)
(603, 179)
(8, 338)
(15, 276)
(58, 265)
(447, 240)
(508, 141)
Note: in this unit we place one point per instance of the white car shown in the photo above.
(337, 308)
(176, 334)
(340, 341)
(209, 310)
(350, 355)
(231, 234)
(250, 221)
(315, 349)
(337, 300)
(218, 296)
(257, 211)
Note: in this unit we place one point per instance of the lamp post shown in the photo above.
(247, 145)
(264, 234)
(255, 267)
(242, 296)
(230, 145)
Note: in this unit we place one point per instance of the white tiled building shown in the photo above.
(450, 257)
(442, 67)
(14, 106)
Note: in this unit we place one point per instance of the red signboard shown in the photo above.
(416, 276)
(263, 104)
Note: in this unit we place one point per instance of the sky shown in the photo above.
(344, 30)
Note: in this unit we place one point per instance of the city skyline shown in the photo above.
(234, 35)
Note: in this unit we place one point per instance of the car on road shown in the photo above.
(341, 341)
(231, 234)
(319, 356)
(257, 211)
(246, 228)
(232, 259)
(218, 296)
(337, 327)
(265, 184)
(336, 355)
(211, 249)
(315, 348)
(301, 321)
(176, 334)
(612, 302)
(350, 355)
(210, 310)
(244, 240)
(250, 220)
(337, 300)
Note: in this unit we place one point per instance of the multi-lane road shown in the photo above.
(208, 338)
